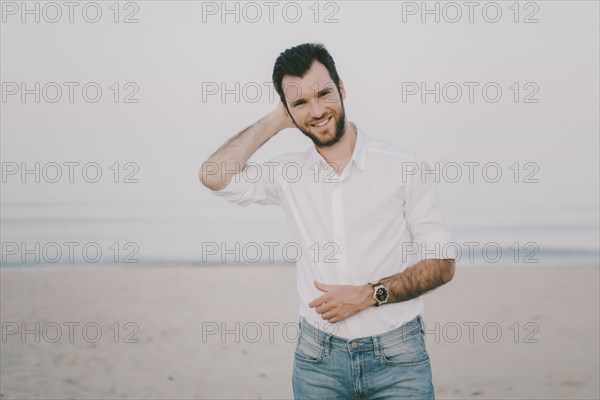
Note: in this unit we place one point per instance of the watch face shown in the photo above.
(381, 294)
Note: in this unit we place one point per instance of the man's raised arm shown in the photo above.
(235, 153)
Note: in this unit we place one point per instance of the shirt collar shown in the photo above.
(358, 155)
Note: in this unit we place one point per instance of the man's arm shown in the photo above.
(422, 277)
(235, 153)
(343, 301)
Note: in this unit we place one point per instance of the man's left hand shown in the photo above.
(342, 301)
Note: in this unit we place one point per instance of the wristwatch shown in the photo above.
(380, 293)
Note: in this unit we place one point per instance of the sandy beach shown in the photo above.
(213, 333)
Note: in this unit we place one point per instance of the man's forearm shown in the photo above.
(342, 301)
(218, 170)
(422, 277)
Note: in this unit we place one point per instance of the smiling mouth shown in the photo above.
(322, 123)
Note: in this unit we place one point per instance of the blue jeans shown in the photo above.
(393, 365)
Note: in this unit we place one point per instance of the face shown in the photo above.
(316, 106)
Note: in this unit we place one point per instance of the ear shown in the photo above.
(342, 90)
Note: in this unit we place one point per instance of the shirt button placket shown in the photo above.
(339, 233)
(339, 236)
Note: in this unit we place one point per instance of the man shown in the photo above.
(355, 213)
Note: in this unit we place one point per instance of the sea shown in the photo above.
(109, 234)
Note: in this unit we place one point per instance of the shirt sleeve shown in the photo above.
(425, 218)
(255, 183)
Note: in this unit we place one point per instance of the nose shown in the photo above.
(317, 109)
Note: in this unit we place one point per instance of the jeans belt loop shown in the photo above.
(327, 343)
(376, 345)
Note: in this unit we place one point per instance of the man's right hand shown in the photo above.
(281, 117)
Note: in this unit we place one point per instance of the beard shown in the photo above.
(340, 128)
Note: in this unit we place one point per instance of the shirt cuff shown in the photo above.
(234, 190)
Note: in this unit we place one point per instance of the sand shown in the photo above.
(149, 332)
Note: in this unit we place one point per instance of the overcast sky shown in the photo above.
(177, 57)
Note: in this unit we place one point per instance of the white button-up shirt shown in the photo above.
(374, 220)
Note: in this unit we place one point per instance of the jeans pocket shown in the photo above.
(408, 349)
(308, 350)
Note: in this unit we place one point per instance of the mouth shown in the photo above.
(322, 123)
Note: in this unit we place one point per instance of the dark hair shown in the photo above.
(297, 60)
